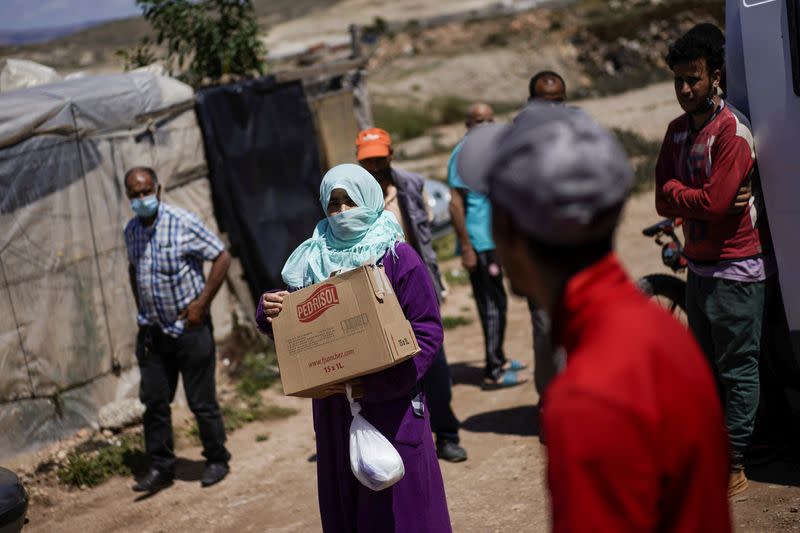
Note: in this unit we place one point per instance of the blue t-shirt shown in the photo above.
(478, 209)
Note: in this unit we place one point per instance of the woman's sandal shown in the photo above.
(514, 365)
(507, 379)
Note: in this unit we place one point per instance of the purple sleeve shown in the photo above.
(263, 325)
(261, 318)
(412, 285)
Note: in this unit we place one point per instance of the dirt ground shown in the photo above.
(500, 488)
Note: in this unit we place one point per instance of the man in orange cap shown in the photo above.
(374, 152)
(404, 196)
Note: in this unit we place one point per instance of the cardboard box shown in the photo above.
(342, 328)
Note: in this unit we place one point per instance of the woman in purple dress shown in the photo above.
(356, 231)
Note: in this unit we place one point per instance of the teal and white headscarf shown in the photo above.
(347, 240)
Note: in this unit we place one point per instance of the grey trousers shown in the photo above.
(547, 361)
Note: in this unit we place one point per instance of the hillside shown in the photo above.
(604, 47)
(599, 47)
(94, 47)
(36, 35)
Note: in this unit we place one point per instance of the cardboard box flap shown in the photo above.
(401, 340)
(379, 282)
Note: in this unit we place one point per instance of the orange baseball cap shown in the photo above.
(373, 142)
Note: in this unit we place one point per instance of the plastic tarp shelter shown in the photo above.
(67, 315)
(264, 169)
(21, 73)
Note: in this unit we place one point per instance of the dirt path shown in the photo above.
(272, 483)
(499, 489)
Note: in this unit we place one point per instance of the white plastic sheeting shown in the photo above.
(21, 73)
(67, 315)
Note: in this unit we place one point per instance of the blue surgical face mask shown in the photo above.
(145, 207)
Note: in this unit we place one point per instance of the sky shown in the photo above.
(27, 14)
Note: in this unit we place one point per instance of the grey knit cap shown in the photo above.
(553, 169)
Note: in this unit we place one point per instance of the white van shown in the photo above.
(763, 78)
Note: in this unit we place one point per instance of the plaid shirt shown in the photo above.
(168, 257)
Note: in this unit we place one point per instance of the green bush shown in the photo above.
(506, 106)
(448, 109)
(276, 412)
(408, 122)
(645, 174)
(457, 278)
(92, 467)
(498, 39)
(137, 56)
(237, 416)
(402, 123)
(445, 247)
(241, 412)
(256, 373)
(215, 37)
(636, 145)
(413, 26)
(452, 322)
(378, 27)
(644, 156)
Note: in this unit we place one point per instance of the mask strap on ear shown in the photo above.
(709, 101)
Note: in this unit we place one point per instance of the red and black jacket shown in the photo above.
(698, 175)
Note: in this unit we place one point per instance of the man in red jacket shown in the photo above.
(706, 158)
(635, 434)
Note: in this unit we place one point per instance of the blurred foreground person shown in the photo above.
(547, 87)
(166, 250)
(357, 230)
(635, 434)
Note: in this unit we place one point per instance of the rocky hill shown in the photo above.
(599, 47)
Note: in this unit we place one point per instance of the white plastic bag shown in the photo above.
(373, 459)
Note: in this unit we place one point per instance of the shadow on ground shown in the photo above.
(189, 470)
(522, 420)
(782, 470)
(466, 373)
(185, 470)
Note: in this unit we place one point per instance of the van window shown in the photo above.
(793, 16)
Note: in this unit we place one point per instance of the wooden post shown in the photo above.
(355, 41)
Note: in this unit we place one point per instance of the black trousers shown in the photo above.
(161, 358)
(490, 296)
(546, 361)
(438, 391)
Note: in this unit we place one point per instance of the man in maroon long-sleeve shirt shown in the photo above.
(635, 437)
(707, 156)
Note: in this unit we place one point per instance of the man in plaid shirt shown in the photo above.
(166, 250)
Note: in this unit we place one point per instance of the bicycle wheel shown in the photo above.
(668, 291)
